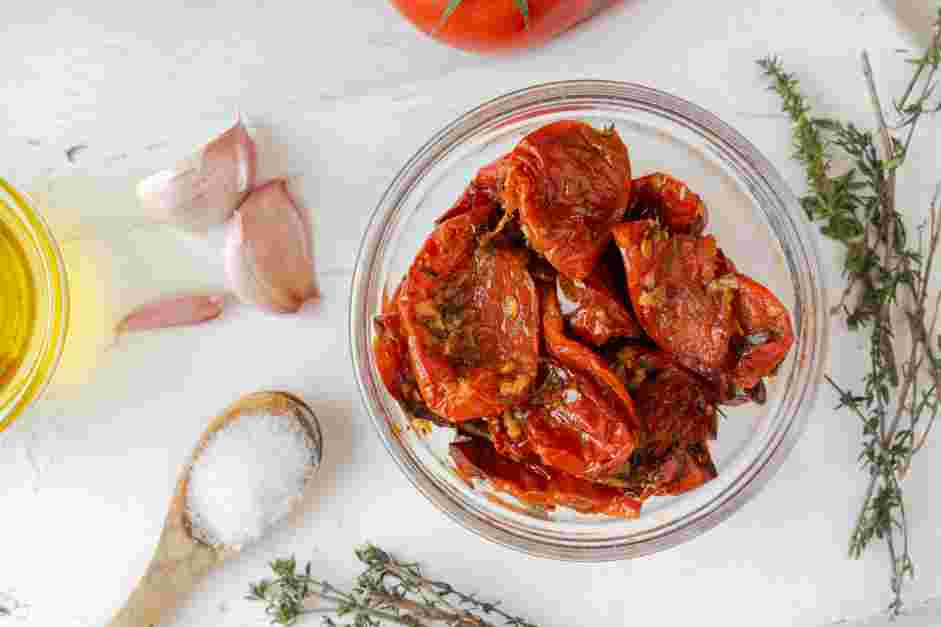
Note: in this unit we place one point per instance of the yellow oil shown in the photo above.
(18, 297)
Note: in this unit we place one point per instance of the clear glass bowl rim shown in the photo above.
(787, 222)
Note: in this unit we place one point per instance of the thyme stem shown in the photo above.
(886, 276)
(388, 590)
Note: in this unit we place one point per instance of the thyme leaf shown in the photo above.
(388, 591)
(887, 278)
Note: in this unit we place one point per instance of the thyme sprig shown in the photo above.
(388, 591)
(887, 280)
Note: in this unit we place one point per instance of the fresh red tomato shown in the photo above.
(496, 25)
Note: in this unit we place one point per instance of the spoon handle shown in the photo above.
(179, 563)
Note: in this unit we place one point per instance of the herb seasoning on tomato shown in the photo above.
(568, 382)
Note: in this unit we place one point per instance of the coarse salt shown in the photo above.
(248, 477)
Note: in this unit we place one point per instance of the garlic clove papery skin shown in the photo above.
(268, 251)
(172, 311)
(206, 188)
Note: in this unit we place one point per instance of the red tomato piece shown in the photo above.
(570, 184)
(568, 424)
(579, 357)
(678, 470)
(635, 364)
(685, 469)
(663, 197)
(680, 297)
(471, 317)
(593, 311)
(390, 352)
(483, 188)
(766, 329)
(539, 485)
(675, 408)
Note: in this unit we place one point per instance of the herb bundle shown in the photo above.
(887, 293)
(388, 591)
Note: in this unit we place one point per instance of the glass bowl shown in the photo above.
(43, 261)
(758, 223)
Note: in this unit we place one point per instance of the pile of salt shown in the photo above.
(248, 477)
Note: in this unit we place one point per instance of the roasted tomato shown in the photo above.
(577, 356)
(660, 196)
(637, 363)
(676, 408)
(538, 485)
(389, 346)
(570, 184)
(680, 297)
(471, 317)
(391, 353)
(569, 423)
(679, 470)
(483, 188)
(580, 358)
(767, 334)
(686, 469)
(592, 310)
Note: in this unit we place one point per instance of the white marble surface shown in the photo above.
(344, 92)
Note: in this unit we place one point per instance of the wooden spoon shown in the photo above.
(181, 560)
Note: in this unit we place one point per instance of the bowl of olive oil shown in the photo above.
(34, 304)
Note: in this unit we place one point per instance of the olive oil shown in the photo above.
(17, 305)
(34, 304)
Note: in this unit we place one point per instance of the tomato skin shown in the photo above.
(677, 409)
(484, 357)
(661, 196)
(684, 469)
(483, 188)
(598, 315)
(760, 313)
(672, 281)
(489, 26)
(539, 485)
(570, 184)
(448, 249)
(577, 356)
(680, 469)
(389, 349)
(569, 424)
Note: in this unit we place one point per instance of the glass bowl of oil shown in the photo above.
(34, 304)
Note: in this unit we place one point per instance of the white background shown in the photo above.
(344, 92)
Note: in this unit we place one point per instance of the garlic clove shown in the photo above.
(204, 189)
(173, 311)
(268, 252)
